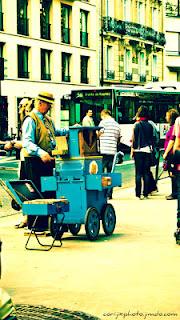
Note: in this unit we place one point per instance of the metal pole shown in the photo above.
(102, 47)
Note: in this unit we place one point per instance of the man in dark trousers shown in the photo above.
(38, 139)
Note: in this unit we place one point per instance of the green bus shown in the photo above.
(123, 101)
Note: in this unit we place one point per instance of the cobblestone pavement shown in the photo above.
(30, 312)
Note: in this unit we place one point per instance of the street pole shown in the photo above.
(102, 47)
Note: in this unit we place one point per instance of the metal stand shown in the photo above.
(48, 247)
(157, 174)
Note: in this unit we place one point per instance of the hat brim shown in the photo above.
(46, 99)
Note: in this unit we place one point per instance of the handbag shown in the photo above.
(165, 165)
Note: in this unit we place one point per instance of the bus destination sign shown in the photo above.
(92, 94)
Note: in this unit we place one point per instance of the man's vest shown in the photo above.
(44, 133)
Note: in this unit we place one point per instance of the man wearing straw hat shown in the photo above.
(38, 138)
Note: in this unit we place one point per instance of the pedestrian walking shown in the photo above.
(88, 119)
(26, 105)
(142, 143)
(109, 137)
(176, 151)
(171, 116)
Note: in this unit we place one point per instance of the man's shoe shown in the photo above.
(170, 197)
(20, 225)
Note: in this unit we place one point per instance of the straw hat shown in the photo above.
(45, 96)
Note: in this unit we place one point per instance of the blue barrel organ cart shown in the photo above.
(81, 189)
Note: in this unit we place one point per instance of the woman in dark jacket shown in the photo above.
(142, 144)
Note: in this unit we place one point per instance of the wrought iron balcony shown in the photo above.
(1, 21)
(45, 76)
(155, 78)
(128, 76)
(23, 26)
(45, 30)
(172, 10)
(110, 75)
(65, 35)
(142, 78)
(23, 74)
(83, 39)
(133, 29)
(84, 78)
(66, 78)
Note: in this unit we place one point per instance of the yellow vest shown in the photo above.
(44, 132)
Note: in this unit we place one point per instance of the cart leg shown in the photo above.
(48, 247)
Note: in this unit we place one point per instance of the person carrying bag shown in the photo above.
(140, 151)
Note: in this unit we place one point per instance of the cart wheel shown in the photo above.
(108, 219)
(15, 205)
(74, 228)
(92, 223)
(57, 229)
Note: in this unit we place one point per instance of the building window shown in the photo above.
(22, 20)
(1, 16)
(142, 67)
(155, 19)
(109, 63)
(141, 13)
(45, 64)
(154, 69)
(127, 10)
(173, 43)
(83, 28)
(1, 61)
(23, 62)
(109, 8)
(44, 19)
(65, 23)
(66, 67)
(84, 69)
(127, 65)
(1, 49)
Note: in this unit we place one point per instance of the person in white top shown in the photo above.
(88, 119)
(109, 137)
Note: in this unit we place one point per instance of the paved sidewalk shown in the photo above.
(134, 274)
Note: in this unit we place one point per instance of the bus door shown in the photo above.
(95, 100)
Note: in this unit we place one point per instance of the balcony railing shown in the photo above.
(23, 74)
(128, 76)
(66, 78)
(83, 39)
(172, 10)
(1, 21)
(133, 29)
(45, 76)
(110, 75)
(142, 78)
(155, 78)
(45, 30)
(23, 26)
(84, 78)
(65, 35)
